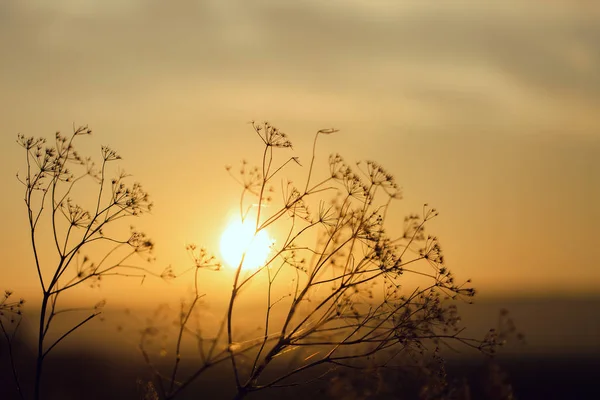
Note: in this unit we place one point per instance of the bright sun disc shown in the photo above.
(238, 239)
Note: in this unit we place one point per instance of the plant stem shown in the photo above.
(40, 355)
(241, 393)
(232, 299)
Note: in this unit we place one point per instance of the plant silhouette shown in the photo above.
(343, 286)
(10, 321)
(333, 287)
(79, 233)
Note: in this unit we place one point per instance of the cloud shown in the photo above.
(450, 58)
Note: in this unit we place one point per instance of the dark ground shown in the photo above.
(85, 376)
(561, 360)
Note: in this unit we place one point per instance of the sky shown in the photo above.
(486, 110)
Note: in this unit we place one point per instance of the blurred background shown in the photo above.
(486, 110)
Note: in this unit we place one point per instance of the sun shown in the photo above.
(239, 238)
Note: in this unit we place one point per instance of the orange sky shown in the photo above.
(486, 110)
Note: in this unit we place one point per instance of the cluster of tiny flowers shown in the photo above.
(74, 213)
(272, 136)
(379, 176)
(386, 256)
(340, 171)
(139, 241)
(249, 177)
(43, 157)
(371, 227)
(294, 203)
(10, 310)
(413, 227)
(109, 154)
(202, 258)
(499, 336)
(133, 200)
(291, 258)
(85, 268)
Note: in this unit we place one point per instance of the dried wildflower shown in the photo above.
(53, 171)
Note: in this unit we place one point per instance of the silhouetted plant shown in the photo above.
(70, 228)
(10, 321)
(363, 296)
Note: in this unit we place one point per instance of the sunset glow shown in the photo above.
(179, 219)
(239, 238)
